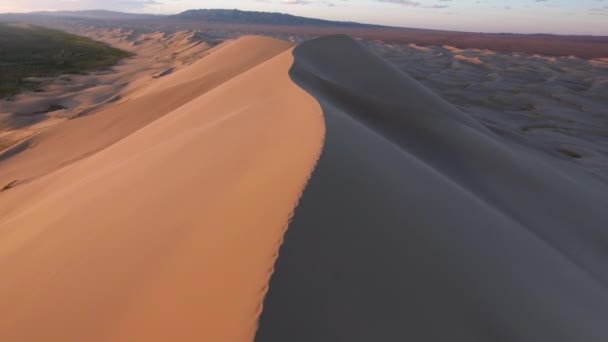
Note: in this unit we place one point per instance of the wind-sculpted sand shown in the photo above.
(61, 98)
(274, 193)
(167, 225)
(556, 105)
(420, 224)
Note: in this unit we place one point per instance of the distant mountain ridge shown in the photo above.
(252, 23)
(234, 16)
(212, 16)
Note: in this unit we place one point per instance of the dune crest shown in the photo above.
(167, 225)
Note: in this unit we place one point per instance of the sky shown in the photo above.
(520, 16)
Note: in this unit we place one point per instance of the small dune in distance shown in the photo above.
(224, 175)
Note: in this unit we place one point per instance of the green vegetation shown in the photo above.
(31, 51)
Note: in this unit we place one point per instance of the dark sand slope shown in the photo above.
(420, 225)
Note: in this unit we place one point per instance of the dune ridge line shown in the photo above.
(420, 224)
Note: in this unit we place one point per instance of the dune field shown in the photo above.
(62, 98)
(250, 189)
(555, 105)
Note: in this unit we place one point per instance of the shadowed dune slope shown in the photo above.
(420, 225)
(170, 229)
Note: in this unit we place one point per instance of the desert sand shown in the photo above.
(421, 224)
(554, 105)
(160, 218)
(156, 54)
(261, 191)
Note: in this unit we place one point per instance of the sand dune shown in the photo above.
(73, 140)
(554, 105)
(171, 232)
(28, 113)
(420, 224)
(164, 216)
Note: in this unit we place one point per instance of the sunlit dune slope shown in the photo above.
(79, 138)
(169, 230)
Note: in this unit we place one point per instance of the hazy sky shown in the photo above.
(547, 16)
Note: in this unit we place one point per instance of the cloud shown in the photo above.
(116, 5)
(402, 2)
(413, 3)
(308, 2)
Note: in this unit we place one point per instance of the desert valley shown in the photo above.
(284, 179)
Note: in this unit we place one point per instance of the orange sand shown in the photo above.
(159, 219)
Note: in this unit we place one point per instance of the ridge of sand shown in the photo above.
(170, 230)
(73, 140)
(553, 105)
(232, 59)
(419, 224)
(26, 114)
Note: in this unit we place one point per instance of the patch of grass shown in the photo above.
(8, 186)
(32, 51)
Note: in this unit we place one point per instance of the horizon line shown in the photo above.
(307, 17)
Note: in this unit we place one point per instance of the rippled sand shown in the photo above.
(557, 105)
